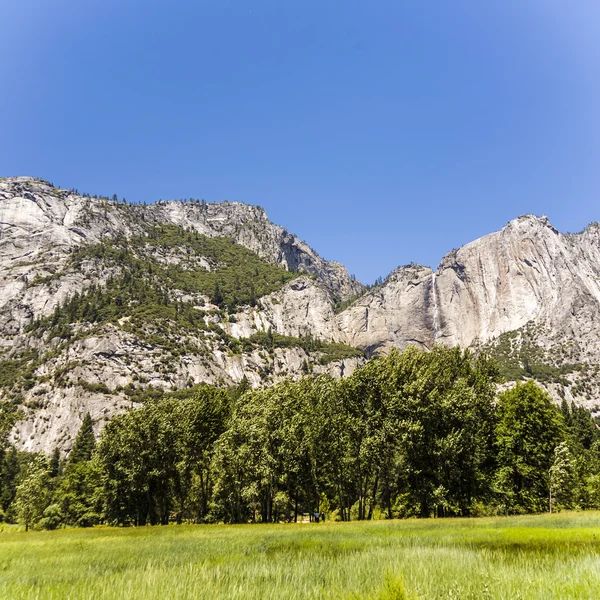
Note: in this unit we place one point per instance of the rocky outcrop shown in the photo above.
(526, 272)
(397, 313)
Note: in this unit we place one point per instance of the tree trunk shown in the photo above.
(372, 503)
(296, 507)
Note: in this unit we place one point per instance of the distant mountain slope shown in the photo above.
(103, 304)
(39, 222)
(527, 294)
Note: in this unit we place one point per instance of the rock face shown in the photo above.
(527, 272)
(397, 313)
(528, 279)
(41, 225)
(527, 294)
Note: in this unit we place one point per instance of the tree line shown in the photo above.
(414, 434)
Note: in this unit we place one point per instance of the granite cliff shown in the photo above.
(104, 303)
(528, 295)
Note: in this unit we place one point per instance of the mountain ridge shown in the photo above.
(527, 294)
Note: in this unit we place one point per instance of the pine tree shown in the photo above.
(85, 442)
(240, 389)
(566, 412)
(55, 466)
(9, 473)
(217, 295)
(270, 338)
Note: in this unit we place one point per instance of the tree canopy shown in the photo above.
(413, 434)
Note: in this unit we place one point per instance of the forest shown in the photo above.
(414, 434)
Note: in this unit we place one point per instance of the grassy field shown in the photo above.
(545, 557)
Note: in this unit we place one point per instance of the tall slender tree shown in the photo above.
(85, 442)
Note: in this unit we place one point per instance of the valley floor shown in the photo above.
(545, 557)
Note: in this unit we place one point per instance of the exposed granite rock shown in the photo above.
(528, 275)
(528, 279)
(526, 272)
(39, 222)
(394, 314)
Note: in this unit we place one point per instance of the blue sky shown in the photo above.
(381, 132)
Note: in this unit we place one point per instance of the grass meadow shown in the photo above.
(545, 557)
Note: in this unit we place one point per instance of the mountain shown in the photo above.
(527, 273)
(104, 304)
(528, 295)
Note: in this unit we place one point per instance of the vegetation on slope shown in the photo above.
(150, 292)
(19, 368)
(519, 357)
(340, 305)
(329, 351)
(153, 286)
(148, 288)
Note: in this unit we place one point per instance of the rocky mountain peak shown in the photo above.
(529, 222)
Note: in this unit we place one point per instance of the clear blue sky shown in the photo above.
(382, 132)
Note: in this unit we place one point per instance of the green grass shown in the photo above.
(542, 557)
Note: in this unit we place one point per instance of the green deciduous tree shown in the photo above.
(155, 458)
(529, 428)
(562, 480)
(33, 494)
